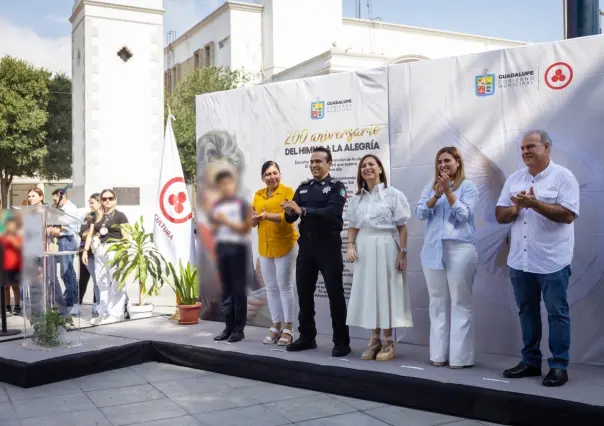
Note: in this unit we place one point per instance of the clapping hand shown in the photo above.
(291, 207)
(444, 183)
(258, 217)
(524, 200)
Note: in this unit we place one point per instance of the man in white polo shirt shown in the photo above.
(541, 201)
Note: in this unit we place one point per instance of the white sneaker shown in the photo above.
(75, 310)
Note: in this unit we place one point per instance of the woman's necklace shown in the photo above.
(104, 231)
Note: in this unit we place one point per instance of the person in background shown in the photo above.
(541, 201)
(319, 204)
(276, 242)
(87, 271)
(377, 245)
(68, 241)
(12, 242)
(112, 300)
(450, 259)
(231, 220)
(35, 197)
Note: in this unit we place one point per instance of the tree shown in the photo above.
(23, 102)
(57, 163)
(182, 104)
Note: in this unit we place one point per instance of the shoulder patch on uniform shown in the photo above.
(306, 182)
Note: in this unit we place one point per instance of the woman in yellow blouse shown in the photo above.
(276, 242)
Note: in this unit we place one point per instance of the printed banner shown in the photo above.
(483, 104)
(346, 113)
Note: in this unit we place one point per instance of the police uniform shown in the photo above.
(320, 250)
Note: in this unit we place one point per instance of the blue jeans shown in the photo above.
(68, 273)
(528, 288)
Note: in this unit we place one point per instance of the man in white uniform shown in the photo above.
(541, 201)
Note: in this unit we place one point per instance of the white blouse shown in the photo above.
(383, 208)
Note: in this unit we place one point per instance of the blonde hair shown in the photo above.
(460, 174)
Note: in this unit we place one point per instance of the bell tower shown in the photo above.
(118, 97)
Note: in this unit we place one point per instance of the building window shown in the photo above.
(198, 59)
(209, 51)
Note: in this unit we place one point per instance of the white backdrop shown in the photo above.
(558, 87)
(347, 113)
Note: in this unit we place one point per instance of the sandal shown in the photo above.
(272, 338)
(287, 336)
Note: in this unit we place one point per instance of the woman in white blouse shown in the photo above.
(449, 259)
(377, 245)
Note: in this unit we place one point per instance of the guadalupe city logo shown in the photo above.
(486, 84)
(319, 108)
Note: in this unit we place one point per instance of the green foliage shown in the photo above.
(57, 164)
(182, 104)
(47, 328)
(137, 258)
(23, 116)
(184, 283)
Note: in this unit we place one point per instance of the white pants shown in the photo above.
(111, 301)
(278, 280)
(450, 290)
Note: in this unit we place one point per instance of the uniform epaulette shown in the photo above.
(333, 180)
(306, 181)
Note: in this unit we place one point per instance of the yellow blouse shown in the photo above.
(274, 239)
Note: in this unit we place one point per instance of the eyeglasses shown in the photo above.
(108, 198)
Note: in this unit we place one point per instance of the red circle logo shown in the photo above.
(558, 75)
(174, 201)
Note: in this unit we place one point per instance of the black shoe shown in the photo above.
(17, 310)
(522, 370)
(236, 336)
(223, 336)
(556, 377)
(9, 309)
(340, 350)
(301, 344)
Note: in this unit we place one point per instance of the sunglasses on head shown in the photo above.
(108, 198)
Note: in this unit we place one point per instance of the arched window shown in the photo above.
(407, 58)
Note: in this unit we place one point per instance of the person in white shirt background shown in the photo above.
(541, 201)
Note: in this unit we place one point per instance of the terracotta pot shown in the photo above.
(189, 314)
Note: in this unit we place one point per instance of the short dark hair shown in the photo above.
(268, 164)
(223, 174)
(325, 150)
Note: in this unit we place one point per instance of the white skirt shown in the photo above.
(379, 297)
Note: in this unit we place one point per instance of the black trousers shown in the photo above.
(84, 278)
(233, 263)
(321, 253)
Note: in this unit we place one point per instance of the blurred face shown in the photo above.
(319, 166)
(108, 200)
(534, 152)
(55, 198)
(227, 187)
(370, 170)
(11, 227)
(447, 164)
(94, 204)
(272, 177)
(34, 199)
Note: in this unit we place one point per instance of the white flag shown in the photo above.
(173, 230)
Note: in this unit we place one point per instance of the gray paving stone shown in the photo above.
(143, 412)
(127, 395)
(310, 408)
(356, 419)
(254, 415)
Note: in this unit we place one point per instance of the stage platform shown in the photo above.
(479, 393)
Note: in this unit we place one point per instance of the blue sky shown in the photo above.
(39, 30)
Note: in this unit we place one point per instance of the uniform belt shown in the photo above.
(314, 235)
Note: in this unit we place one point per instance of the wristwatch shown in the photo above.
(404, 249)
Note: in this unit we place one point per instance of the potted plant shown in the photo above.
(137, 258)
(184, 284)
(50, 328)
